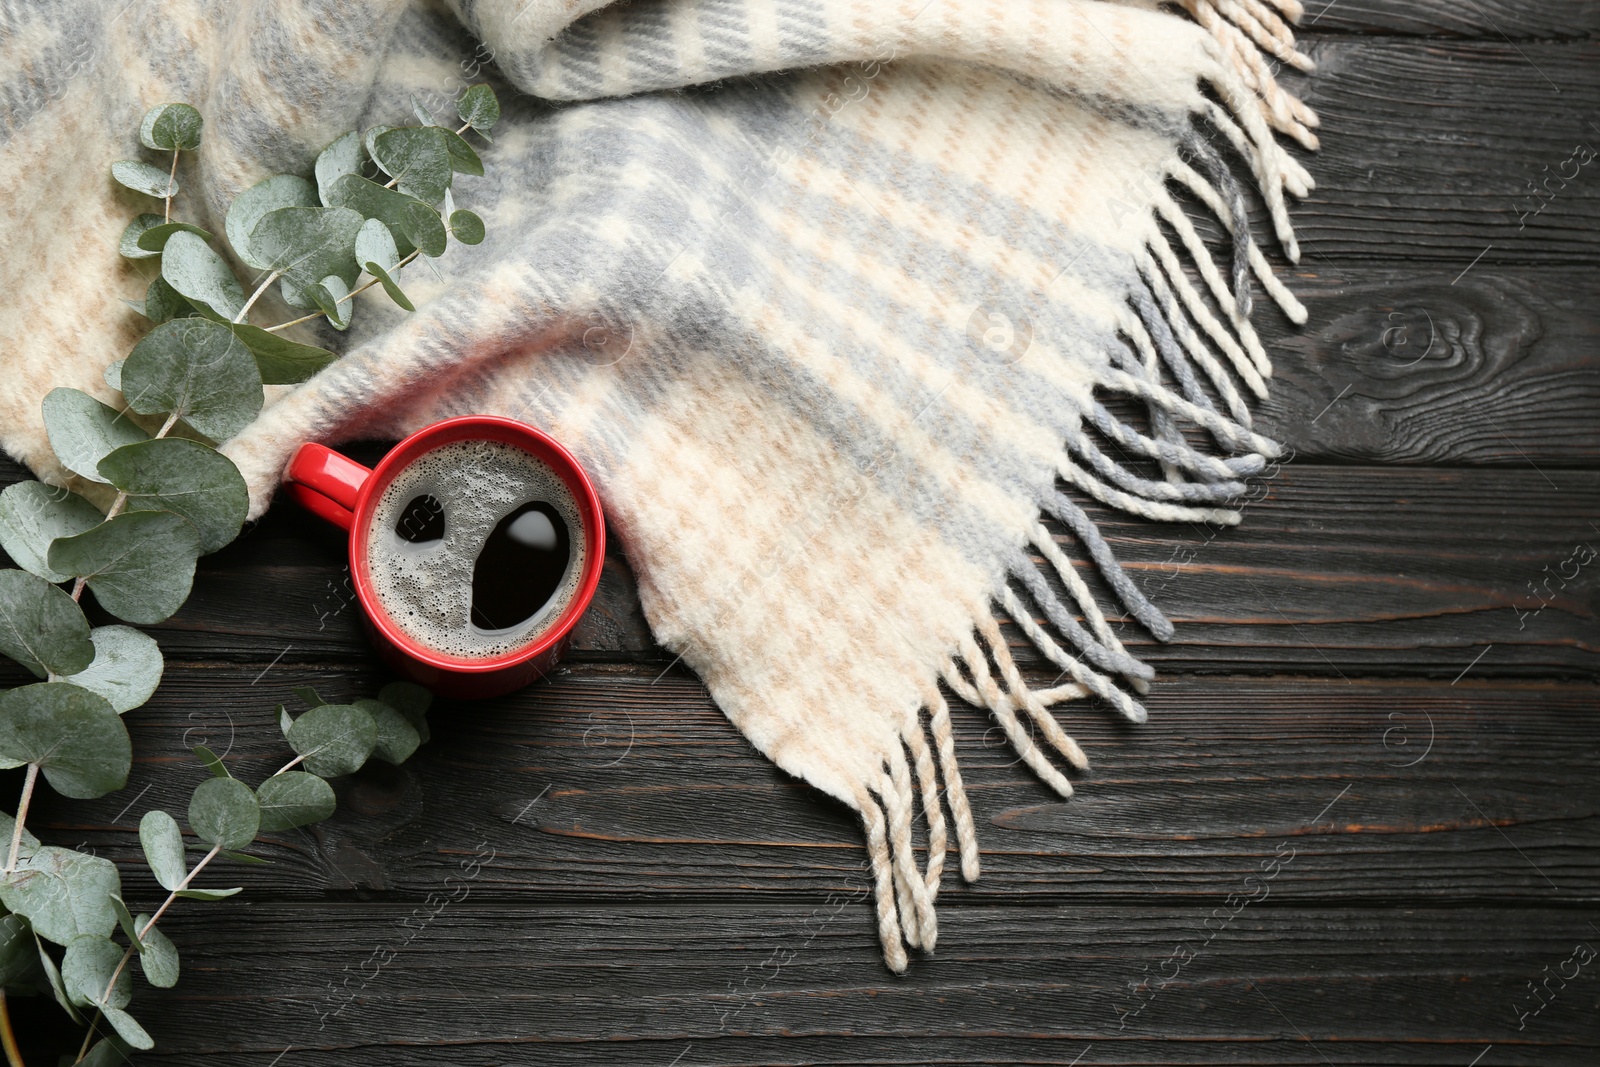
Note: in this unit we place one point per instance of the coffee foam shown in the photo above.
(426, 589)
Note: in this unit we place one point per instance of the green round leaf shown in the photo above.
(127, 1028)
(143, 178)
(158, 956)
(209, 894)
(84, 431)
(294, 798)
(186, 478)
(57, 987)
(155, 238)
(113, 371)
(335, 739)
(18, 956)
(74, 736)
(478, 107)
(332, 298)
(126, 669)
(32, 515)
(466, 227)
(129, 245)
(194, 269)
(412, 223)
(104, 1054)
(224, 812)
(309, 696)
(247, 209)
(140, 565)
(280, 361)
(212, 761)
(418, 157)
(463, 158)
(86, 970)
(375, 244)
(163, 848)
(397, 738)
(345, 155)
(161, 303)
(390, 286)
(424, 116)
(125, 920)
(410, 700)
(41, 627)
(167, 127)
(63, 893)
(308, 243)
(199, 370)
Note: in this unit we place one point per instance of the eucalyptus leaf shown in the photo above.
(463, 157)
(424, 116)
(466, 227)
(390, 286)
(113, 371)
(198, 370)
(168, 127)
(397, 738)
(87, 968)
(186, 478)
(126, 669)
(369, 138)
(17, 952)
(162, 303)
(57, 986)
(308, 696)
(413, 223)
(32, 515)
(155, 238)
(209, 894)
(224, 812)
(41, 627)
(212, 761)
(77, 740)
(129, 246)
(417, 157)
(333, 299)
(63, 894)
(281, 361)
(194, 269)
(335, 739)
(294, 798)
(125, 920)
(163, 848)
(248, 208)
(84, 431)
(408, 698)
(245, 858)
(127, 1028)
(306, 244)
(158, 956)
(105, 1053)
(345, 155)
(375, 244)
(143, 178)
(479, 108)
(140, 565)
(284, 720)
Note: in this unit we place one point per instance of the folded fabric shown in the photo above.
(830, 342)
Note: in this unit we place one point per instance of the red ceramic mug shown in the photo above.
(346, 494)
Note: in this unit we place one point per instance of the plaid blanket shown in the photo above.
(835, 300)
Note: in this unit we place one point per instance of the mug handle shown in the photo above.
(325, 483)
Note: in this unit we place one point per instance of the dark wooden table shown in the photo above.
(1371, 682)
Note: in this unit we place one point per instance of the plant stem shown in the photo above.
(248, 304)
(172, 176)
(128, 955)
(9, 1039)
(22, 814)
(348, 296)
(285, 767)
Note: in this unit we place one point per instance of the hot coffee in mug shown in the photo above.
(475, 546)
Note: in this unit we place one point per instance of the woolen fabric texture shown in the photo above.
(834, 301)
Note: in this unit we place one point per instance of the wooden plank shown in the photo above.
(1492, 20)
(1335, 571)
(530, 982)
(623, 785)
(1428, 150)
(1397, 366)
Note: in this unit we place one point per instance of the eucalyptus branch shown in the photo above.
(351, 295)
(28, 781)
(8, 1040)
(172, 176)
(248, 304)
